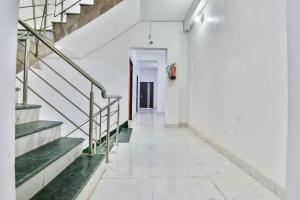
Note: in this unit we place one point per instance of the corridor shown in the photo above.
(174, 164)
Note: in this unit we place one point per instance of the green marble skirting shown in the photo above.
(125, 135)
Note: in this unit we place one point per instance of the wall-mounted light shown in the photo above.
(197, 19)
(195, 13)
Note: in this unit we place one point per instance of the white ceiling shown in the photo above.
(164, 10)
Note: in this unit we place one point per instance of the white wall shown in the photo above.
(107, 41)
(8, 41)
(293, 159)
(110, 66)
(102, 30)
(238, 81)
(164, 10)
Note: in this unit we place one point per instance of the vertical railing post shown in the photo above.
(33, 14)
(100, 126)
(95, 120)
(46, 16)
(108, 132)
(26, 66)
(118, 124)
(62, 10)
(91, 118)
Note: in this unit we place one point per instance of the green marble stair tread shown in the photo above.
(70, 182)
(26, 106)
(33, 127)
(31, 163)
(125, 135)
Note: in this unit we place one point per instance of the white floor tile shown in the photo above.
(173, 164)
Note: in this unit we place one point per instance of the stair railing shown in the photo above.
(43, 12)
(35, 18)
(96, 120)
(60, 10)
(53, 10)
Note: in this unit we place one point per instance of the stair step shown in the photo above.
(26, 113)
(58, 22)
(32, 135)
(26, 129)
(72, 181)
(27, 106)
(35, 169)
(71, 14)
(31, 163)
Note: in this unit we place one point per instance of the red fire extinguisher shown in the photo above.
(171, 70)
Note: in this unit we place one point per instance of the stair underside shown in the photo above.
(69, 183)
(26, 129)
(31, 163)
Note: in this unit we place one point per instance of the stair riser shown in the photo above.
(90, 186)
(28, 189)
(33, 141)
(27, 115)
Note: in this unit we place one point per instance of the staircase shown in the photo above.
(49, 166)
(77, 20)
(52, 164)
(54, 19)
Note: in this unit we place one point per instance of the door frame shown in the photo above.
(130, 89)
(137, 94)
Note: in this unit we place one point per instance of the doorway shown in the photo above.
(146, 95)
(147, 81)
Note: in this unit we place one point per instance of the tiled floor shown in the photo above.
(173, 164)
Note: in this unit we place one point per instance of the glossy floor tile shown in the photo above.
(173, 164)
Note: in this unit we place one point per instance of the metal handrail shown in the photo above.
(54, 13)
(58, 74)
(53, 107)
(38, 17)
(69, 61)
(87, 120)
(92, 117)
(36, 5)
(64, 10)
(61, 94)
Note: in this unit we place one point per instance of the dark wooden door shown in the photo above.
(143, 94)
(146, 94)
